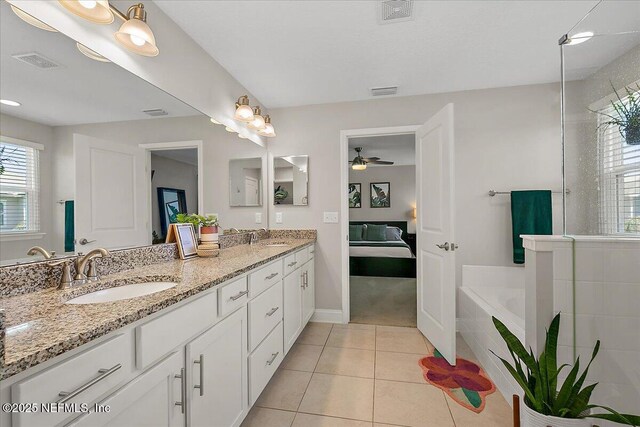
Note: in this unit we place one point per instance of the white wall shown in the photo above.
(30, 131)
(402, 189)
(506, 138)
(171, 173)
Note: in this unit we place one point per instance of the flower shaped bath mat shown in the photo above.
(466, 383)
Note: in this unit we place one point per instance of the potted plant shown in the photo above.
(208, 225)
(627, 117)
(545, 404)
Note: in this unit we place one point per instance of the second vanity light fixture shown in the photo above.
(134, 34)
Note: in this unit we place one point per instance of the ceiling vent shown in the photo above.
(37, 60)
(380, 91)
(155, 112)
(395, 11)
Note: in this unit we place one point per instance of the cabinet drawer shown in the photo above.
(158, 337)
(302, 256)
(265, 277)
(232, 296)
(263, 363)
(265, 312)
(85, 378)
(290, 264)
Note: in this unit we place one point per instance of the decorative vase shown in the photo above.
(632, 135)
(209, 234)
(531, 418)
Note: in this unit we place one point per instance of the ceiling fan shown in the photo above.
(359, 163)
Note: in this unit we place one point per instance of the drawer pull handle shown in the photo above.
(273, 358)
(183, 390)
(240, 295)
(200, 386)
(291, 264)
(65, 396)
(273, 310)
(271, 276)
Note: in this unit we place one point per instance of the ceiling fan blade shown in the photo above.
(381, 162)
(370, 159)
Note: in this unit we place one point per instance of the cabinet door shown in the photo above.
(292, 305)
(217, 380)
(153, 399)
(309, 293)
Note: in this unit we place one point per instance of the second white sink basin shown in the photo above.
(122, 292)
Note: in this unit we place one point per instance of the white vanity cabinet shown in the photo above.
(299, 295)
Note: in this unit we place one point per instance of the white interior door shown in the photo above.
(251, 191)
(435, 219)
(111, 207)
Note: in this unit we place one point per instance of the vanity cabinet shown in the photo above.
(299, 296)
(217, 374)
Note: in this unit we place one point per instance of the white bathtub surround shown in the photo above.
(603, 304)
(492, 291)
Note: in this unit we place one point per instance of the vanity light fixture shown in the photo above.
(228, 129)
(91, 53)
(97, 11)
(579, 38)
(243, 113)
(258, 121)
(268, 130)
(10, 103)
(31, 20)
(135, 34)
(241, 136)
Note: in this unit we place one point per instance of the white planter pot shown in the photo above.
(531, 418)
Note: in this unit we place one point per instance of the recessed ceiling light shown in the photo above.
(580, 37)
(10, 102)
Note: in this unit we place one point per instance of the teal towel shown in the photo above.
(69, 227)
(530, 214)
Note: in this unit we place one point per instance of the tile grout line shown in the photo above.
(375, 360)
(314, 370)
(446, 401)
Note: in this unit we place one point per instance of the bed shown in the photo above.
(382, 258)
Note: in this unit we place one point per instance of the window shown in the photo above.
(619, 179)
(19, 186)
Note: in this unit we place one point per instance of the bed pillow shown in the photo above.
(394, 233)
(356, 232)
(377, 233)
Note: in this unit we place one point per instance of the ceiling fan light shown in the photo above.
(359, 166)
(268, 131)
(135, 35)
(31, 20)
(244, 112)
(97, 11)
(89, 53)
(258, 122)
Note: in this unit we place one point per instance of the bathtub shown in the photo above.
(488, 291)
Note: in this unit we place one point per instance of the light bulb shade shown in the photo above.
(95, 11)
(91, 53)
(31, 20)
(136, 36)
(359, 166)
(258, 121)
(268, 130)
(244, 112)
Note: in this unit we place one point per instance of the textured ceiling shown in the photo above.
(309, 52)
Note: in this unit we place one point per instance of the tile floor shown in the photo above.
(364, 376)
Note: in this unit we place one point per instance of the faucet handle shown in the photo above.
(65, 280)
(92, 274)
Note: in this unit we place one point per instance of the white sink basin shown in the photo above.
(122, 292)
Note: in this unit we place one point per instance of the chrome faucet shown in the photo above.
(234, 230)
(254, 237)
(81, 263)
(42, 251)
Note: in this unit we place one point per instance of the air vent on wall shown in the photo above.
(395, 11)
(37, 60)
(379, 91)
(155, 112)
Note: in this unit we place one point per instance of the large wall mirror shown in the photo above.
(95, 156)
(291, 180)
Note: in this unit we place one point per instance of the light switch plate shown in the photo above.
(258, 217)
(330, 217)
(278, 217)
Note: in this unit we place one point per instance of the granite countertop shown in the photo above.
(41, 326)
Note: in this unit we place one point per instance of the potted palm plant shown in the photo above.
(544, 404)
(627, 117)
(208, 225)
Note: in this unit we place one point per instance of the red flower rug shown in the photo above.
(466, 383)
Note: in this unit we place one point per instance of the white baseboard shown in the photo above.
(327, 316)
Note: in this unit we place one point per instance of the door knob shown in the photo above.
(444, 246)
(84, 241)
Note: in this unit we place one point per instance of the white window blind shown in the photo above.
(19, 187)
(619, 179)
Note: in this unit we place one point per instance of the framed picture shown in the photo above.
(355, 192)
(185, 237)
(171, 202)
(380, 194)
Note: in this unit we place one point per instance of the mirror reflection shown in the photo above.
(245, 182)
(95, 157)
(291, 180)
